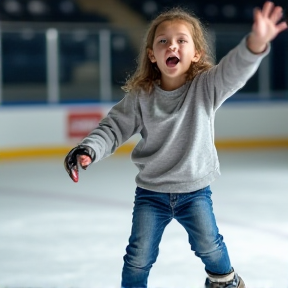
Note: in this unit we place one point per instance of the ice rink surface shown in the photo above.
(58, 234)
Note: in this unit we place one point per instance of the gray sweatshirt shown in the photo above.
(176, 153)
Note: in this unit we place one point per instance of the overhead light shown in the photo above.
(37, 7)
(12, 7)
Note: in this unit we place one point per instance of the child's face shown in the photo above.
(173, 50)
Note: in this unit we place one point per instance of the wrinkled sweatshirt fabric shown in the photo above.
(176, 152)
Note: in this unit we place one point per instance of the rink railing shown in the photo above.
(89, 63)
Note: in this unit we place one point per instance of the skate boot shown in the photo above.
(231, 280)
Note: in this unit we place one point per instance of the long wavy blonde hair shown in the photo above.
(147, 73)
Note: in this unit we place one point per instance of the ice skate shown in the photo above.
(223, 282)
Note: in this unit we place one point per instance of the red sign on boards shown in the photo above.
(81, 124)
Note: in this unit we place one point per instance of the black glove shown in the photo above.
(71, 163)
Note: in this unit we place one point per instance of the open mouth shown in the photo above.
(172, 61)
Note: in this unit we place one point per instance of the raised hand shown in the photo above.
(267, 25)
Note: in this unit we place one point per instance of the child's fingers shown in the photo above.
(257, 17)
(267, 9)
(282, 26)
(84, 161)
(276, 14)
(256, 12)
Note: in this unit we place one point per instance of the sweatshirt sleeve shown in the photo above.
(232, 72)
(118, 126)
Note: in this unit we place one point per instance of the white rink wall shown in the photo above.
(56, 126)
(252, 120)
(42, 126)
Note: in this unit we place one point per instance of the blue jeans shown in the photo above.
(152, 212)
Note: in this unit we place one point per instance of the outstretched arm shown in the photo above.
(266, 27)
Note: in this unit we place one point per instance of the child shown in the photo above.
(171, 101)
